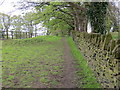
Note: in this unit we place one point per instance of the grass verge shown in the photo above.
(88, 79)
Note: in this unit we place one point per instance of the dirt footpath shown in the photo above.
(69, 78)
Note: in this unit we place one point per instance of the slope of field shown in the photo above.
(32, 62)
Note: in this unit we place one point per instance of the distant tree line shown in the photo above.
(18, 26)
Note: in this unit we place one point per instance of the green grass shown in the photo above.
(0, 62)
(29, 61)
(88, 79)
(115, 35)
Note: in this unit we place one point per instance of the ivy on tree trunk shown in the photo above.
(97, 15)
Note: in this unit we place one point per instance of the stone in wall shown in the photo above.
(116, 51)
(106, 41)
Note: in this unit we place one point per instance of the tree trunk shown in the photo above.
(3, 34)
(79, 16)
(85, 27)
(35, 33)
(35, 30)
(26, 34)
(16, 35)
(76, 24)
(77, 20)
(7, 33)
(20, 35)
(12, 34)
(31, 35)
(23, 35)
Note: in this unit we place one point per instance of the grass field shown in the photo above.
(39, 62)
(31, 62)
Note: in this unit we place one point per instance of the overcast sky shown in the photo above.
(7, 6)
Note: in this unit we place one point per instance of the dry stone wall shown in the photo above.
(102, 54)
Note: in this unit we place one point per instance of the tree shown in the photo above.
(113, 16)
(55, 16)
(76, 15)
(17, 23)
(1, 33)
(28, 19)
(97, 16)
(35, 22)
(5, 20)
(1, 29)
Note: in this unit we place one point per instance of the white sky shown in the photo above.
(7, 7)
